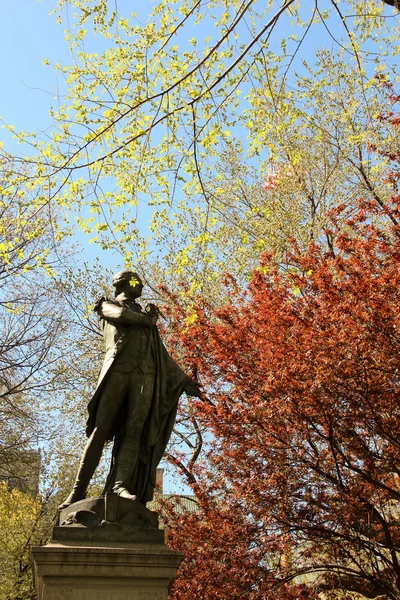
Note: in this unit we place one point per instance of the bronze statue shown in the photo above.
(136, 398)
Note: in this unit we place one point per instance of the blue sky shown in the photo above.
(28, 35)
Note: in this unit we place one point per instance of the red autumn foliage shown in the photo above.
(299, 483)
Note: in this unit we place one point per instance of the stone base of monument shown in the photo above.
(105, 548)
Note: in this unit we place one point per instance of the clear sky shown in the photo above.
(28, 35)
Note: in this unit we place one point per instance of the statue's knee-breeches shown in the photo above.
(110, 401)
(140, 395)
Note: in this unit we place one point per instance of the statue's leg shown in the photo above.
(110, 401)
(140, 399)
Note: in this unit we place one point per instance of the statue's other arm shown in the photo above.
(113, 312)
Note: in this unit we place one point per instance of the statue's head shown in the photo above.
(128, 282)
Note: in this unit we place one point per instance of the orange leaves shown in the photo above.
(302, 370)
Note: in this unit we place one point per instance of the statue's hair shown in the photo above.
(122, 277)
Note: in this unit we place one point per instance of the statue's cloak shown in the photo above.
(168, 387)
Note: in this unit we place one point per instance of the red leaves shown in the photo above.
(302, 370)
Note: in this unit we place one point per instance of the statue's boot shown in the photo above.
(78, 493)
(90, 460)
(122, 492)
(125, 466)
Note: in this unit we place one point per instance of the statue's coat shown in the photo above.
(169, 384)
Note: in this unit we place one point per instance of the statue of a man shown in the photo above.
(136, 398)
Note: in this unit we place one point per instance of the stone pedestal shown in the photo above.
(79, 572)
(91, 558)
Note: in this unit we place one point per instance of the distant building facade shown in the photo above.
(183, 503)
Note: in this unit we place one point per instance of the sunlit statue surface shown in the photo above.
(136, 398)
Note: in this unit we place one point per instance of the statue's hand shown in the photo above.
(192, 388)
(152, 312)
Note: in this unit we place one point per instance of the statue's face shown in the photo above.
(134, 286)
